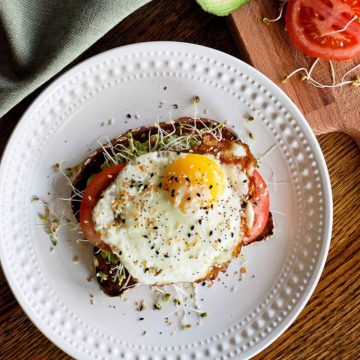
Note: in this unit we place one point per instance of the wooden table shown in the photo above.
(329, 326)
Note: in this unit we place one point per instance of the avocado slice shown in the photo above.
(221, 7)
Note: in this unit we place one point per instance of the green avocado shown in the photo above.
(221, 7)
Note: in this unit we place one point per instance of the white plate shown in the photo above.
(65, 122)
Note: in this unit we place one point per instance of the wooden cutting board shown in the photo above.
(268, 49)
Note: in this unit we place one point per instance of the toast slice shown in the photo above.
(108, 266)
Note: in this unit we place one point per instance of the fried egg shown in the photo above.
(173, 217)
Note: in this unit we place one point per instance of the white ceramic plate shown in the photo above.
(63, 124)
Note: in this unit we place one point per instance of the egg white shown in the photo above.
(157, 242)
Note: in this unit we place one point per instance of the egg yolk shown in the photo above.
(194, 179)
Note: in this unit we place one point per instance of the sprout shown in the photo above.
(50, 220)
(196, 100)
(141, 306)
(76, 192)
(267, 21)
(356, 81)
(166, 297)
(102, 276)
(45, 216)
(344, 28)
(177, 302)
(307, 75)
(53, 238)
(186, 326)
(69, 173)
(188, 136)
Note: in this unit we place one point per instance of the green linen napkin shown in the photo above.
(38, 38)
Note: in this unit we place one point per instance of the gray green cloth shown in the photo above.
(38, 38)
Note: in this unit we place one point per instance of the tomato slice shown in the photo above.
(260, 202)
(90, 198)
(308, 22)
(261, 205)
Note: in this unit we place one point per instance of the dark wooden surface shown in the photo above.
(328, 327)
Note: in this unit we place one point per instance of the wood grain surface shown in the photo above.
(328, 327)
(268, 48)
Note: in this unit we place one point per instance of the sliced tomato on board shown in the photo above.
(311, 25)
(261, 205)
(90, 198)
